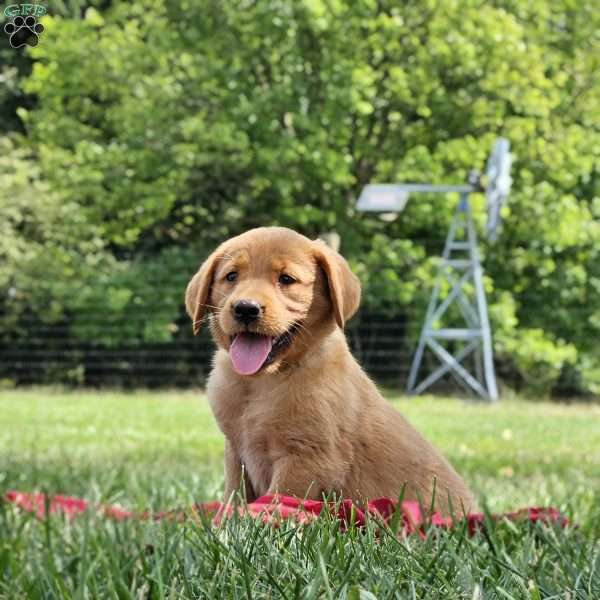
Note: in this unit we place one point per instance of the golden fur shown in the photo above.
(312, 421)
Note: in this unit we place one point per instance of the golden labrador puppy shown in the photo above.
(300, 416)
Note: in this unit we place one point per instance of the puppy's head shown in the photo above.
(270, 294)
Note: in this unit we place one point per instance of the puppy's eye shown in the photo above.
(231, 276)
(285, 279)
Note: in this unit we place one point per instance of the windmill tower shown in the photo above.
(458, 290)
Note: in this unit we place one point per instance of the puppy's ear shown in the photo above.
(344, 285)
(198, 290)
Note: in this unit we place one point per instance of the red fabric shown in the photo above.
(273, 509)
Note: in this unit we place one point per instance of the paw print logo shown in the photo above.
(23, 31)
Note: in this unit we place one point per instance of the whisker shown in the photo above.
(206, 318)
(301, 327)
(217, 308)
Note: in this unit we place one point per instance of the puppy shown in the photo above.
(300, 416)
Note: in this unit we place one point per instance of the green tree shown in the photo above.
(166, 126)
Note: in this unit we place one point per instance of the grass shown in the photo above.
(163, 450)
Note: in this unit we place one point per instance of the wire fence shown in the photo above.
(100, 346)
(381, 343)
(55, 356)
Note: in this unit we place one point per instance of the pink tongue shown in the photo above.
(249, 351)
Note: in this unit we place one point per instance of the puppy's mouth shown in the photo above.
(250, 351)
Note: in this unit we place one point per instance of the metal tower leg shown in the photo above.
(477, 335)
(486, 333)
(414, 370)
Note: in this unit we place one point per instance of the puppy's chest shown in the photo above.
(258, 445)
(252, 428)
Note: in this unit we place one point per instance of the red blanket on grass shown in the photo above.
(272, 509)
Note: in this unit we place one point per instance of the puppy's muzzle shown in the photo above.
(247, 311)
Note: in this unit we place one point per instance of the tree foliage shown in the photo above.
(161, 127)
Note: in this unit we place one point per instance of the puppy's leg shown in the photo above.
(234, 473)
(294, 477)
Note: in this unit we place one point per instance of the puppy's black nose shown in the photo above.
(246, 311)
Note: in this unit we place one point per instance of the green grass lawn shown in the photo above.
(163, 450)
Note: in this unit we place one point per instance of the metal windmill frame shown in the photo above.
(460, 273)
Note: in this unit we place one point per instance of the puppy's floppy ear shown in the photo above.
(198, 289)
(344, 285)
